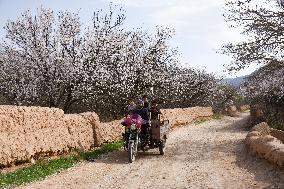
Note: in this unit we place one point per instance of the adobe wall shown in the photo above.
(183, 116)
(231, 111)
(30, 132)
(27, 132)
(262, 142)
(277, 134)
(244, 107)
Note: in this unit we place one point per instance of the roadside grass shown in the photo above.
(44, 168)
(217, 116)
(103, 150)
(204, 119)
(201, 120)
(245, 111)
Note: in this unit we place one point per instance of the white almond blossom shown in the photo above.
(51, 60)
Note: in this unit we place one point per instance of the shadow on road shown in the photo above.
(121, 157)
(261, 169)
(241, 124)
(229, 153)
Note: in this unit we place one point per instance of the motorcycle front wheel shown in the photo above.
(131, 152)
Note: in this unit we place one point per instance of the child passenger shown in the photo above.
(130, 107)
(155, 111)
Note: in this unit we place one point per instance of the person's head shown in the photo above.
(140, 104)
(145, 97)
(131, 102)
(154, 103)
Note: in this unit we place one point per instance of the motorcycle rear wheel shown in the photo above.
(162, 147)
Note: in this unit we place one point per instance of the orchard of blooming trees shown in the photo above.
(52, 59)
(262, 22)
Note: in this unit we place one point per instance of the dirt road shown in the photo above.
(208, 155)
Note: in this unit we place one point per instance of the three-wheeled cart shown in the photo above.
(159, 134)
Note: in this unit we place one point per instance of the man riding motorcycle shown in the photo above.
(145, 115)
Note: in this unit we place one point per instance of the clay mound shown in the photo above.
(253, 133)
(110, 131)
(31, 132)
(30, 118)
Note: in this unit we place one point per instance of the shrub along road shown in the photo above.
(207, 155)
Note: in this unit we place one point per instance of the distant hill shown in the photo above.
(235, 82)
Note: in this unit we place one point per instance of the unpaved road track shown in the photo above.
(208, 155)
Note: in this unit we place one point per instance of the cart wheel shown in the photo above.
(162, 147)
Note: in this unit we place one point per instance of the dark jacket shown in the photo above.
(146, 105)
(155, 111)
(143, 112)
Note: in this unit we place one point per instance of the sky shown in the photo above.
(200, 29)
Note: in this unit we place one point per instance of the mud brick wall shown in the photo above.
(30, 132)
(183, 116)
(244, 107)
(262, 144)
(277, 134)
(111, 131)
(27, 132)
(104, 132)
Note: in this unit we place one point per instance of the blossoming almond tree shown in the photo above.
(52, 60)
(41, 62)
(262, 24)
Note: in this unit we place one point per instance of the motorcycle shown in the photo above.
(132, 136)
(134, 140)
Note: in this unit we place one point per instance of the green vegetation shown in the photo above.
(245, 111)
(273, 120)
(35, 172)
(217, 116)
(103, 150)
(204, 119)
(44, 168)
(200, 120)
